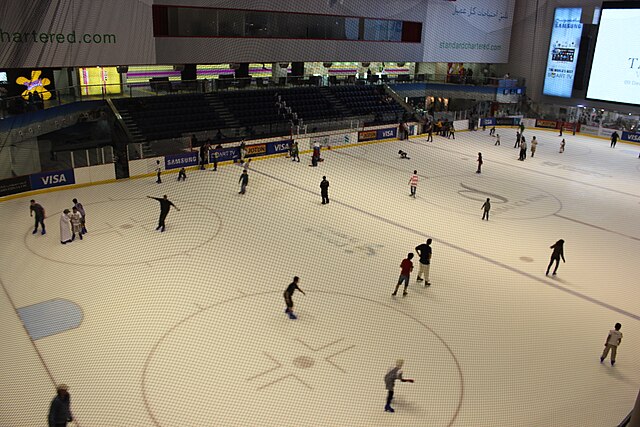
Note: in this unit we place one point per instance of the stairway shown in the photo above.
(335, 102)
(222, 111)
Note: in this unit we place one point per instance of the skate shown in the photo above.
(292, 316)
(394, 294)
(35, 231)
(404, 294)
(43, 232)
(388, 408)
(162, 229)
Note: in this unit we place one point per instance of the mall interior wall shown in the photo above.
(530, 36)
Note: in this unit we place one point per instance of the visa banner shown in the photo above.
(630, 136)
(52, 179)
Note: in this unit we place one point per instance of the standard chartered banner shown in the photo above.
(468, 31)
(56, 33)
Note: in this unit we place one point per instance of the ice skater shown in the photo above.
(244, 180)
(413, 184)
(497, 139)
(534, 146)
(65, 227)
(204, 154)
(390, 378)
(403, 155)
(558, 135)
(492, 131)
(424, 252)
(40, 216)
(158, 172)
(518, 136)
(406, 267)
(288, 293)
(486, 207)
(324, 190)
(562, 144)
(479, 170)
(452, 132)
(295, 152)
(165, 206)
(78, 205)
(558, 252)
(430, 133)
(523, 150)
(611, 343)
(182, 174)
(614, 139)
(76, 223)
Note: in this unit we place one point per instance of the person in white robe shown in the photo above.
(65, 227)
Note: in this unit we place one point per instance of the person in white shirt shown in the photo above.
(534, 145)
(65, 227)
(613, 341)
(76, 223)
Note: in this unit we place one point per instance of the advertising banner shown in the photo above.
(615, 71)
(15, 185)
(278, 146)
(482, 31)
(387, 133)
(630, 136)
(52, 179)
(549, 124)
(591, 130)
(507, 121)
(367, 135)
(174, 161)
(66, 33)
(487, 121)
(224, 154)
(256, 150)
(563, 52)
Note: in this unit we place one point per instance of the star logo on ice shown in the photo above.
(36, 84)
(281, 371)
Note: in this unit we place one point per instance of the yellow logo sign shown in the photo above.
(36, 84)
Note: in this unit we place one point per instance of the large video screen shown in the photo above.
(615, 73)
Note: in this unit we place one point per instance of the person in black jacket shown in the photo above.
(60, 409)
(244, 180)
(558, 252)
(324, 190)
(165, 206)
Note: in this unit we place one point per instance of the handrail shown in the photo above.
(626, 420)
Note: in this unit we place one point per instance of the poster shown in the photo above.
(563, 52)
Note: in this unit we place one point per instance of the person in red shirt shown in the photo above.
(406, 267)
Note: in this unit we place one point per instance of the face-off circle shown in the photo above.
(509, 199)
(243, 362)
(123, 232)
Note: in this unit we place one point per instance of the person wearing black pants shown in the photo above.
(558, 252)
(182, 174)
(40, 215)
(165, 206)
(486, 207)
(324, 190)
(614, 139)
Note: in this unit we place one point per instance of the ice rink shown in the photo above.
(186, 327)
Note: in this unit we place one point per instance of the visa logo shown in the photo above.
(282, 147)
(53, 179)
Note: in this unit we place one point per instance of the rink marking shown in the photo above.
(597, 227)
(461, 249)
(535, 171)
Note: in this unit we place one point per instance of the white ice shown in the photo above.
(186, 327)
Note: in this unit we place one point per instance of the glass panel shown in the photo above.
(395, 31)
(231, 23)
(196, 22)
(292, 26)
(95, 158)
(257, 24)
(108, 155)
(79, 158)
(352, 28)
(375, 29)
(335, 28)
(316, 26)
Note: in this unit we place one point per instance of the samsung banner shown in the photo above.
(615, 72)
(468, 31)
(563, 52)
